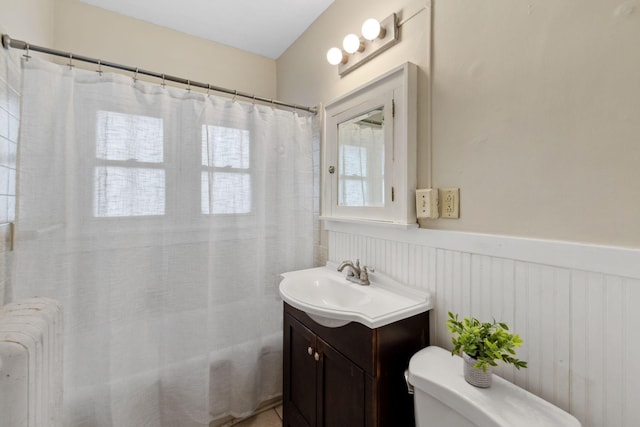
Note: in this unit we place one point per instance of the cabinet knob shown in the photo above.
(316, 356)
(310, 351)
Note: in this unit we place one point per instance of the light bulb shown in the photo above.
(371, 29)
(351, 43)
(335, 56)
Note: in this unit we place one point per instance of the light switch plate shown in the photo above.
(427, 203)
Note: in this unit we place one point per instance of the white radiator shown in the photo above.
(31, 363)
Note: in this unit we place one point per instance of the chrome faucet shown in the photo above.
(355, 274)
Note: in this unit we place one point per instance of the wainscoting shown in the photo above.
(574, 305)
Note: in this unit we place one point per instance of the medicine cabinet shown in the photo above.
(369, 162)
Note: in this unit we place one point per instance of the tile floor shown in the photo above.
(270, 418)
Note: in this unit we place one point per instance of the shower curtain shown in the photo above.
(161, 218)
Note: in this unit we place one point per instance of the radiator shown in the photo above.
(31, 353)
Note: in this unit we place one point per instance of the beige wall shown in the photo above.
(30, 20)
(96, 32)
(535, 105)
(70, 25)
(535, 108)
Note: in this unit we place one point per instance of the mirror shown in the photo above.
(361, 160)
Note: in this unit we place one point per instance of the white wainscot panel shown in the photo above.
(574, 305)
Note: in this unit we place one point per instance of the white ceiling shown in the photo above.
(264, 27)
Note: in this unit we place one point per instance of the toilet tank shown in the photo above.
(444, 398)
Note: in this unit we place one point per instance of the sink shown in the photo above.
(327, 291)
(329, 299)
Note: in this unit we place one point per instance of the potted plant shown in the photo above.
(482, 345)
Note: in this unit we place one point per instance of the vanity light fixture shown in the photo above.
(377, 36)
(336, 56)
(371, 29)
(352, 44)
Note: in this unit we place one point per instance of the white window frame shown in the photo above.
(232, 170)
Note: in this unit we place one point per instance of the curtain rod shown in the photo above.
(8, 42)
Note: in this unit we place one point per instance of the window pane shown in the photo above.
(229, 194)
(353, 192)
(128, 192)
(225, 147)
(129, 137)
(353, 160)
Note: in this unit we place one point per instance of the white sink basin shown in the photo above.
(328, 292)
(329, 299)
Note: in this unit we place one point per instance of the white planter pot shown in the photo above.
(476, 376)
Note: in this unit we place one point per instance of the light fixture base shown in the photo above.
(373, 48)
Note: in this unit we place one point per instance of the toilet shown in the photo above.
(443, 398)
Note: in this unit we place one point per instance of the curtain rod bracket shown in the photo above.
(6, 41)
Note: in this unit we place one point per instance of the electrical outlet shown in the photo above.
(450, 202)
(427, 203)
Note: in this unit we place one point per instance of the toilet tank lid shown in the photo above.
(434, 371)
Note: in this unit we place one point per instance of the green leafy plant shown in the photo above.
(485, 342)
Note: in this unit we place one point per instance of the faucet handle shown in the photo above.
(364, 272)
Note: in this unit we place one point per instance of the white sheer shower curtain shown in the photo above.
(161, 218)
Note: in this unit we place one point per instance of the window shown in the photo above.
(226, 176)
(129, 176)
(131, 167)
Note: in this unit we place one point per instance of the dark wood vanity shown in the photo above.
(348, 376)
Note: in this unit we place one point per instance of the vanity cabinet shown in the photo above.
(351, 375)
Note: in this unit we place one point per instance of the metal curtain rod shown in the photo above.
(8, 42)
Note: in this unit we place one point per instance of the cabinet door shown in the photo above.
(370, 150)
(299, 398)
(341, 389)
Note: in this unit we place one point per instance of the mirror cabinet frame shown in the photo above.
(396, 92)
